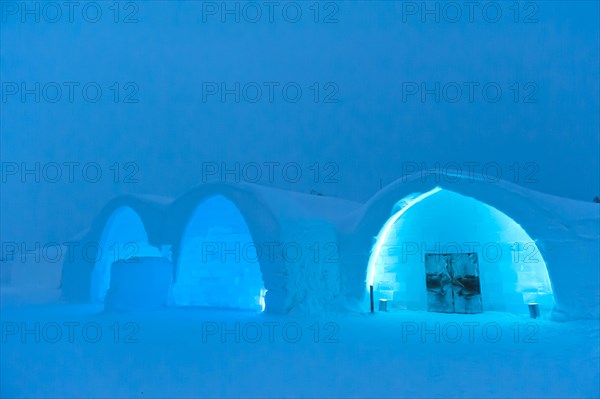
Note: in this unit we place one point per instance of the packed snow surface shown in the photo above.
(84, 351)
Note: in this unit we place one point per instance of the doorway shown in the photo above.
(453, 284)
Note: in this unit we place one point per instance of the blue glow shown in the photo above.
(218, 264)
(382, 237)
(123, 237)
(512, 269)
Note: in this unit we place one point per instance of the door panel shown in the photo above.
(465, 283)
(439, 284)
(453, 284)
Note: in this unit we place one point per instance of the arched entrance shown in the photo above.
(217, 262)
(511, 269)
(124, 236)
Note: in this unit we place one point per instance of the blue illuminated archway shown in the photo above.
(124, 236)
(217, 262)
(512, 269)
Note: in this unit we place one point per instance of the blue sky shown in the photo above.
(366, 61)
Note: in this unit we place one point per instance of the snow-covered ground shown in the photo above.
(195, 353)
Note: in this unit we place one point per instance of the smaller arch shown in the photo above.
(124, 236)
(260, 220)
(77, 271)
(218, 263)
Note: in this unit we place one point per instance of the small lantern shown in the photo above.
(383, 305)
(534, 310)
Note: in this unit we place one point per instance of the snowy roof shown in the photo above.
(264, 208)
(152, 210)
(267, 210)
(539, 213)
